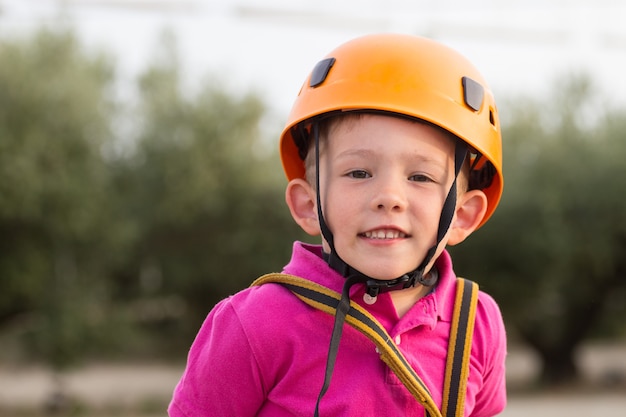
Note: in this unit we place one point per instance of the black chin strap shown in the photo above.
(340, 317)
(376, 286)
(412, 278)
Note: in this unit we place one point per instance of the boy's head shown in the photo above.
(439, 103)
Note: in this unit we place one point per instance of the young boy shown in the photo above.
(392, 151)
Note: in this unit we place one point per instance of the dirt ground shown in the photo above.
(143, 390)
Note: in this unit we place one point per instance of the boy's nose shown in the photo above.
(390, 197)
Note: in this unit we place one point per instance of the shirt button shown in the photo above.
(398, 339)
(368, 299)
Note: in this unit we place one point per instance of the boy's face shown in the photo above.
(383, 184)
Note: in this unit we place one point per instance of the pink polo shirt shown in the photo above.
(262, 352)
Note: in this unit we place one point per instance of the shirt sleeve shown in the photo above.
(491, 399)
(222, 377)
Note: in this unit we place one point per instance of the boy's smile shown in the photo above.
(385, 234)
(383, 182)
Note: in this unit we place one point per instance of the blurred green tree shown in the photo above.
(55, 213)
(206, 193)
(554, 254)
(120, 229)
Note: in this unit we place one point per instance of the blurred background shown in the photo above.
(140, 184)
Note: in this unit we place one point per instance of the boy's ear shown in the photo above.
(301, 200)
(470, 210)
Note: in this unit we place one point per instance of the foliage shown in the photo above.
(55, 109)
(123, 244)
(209, 203)
(553, 254)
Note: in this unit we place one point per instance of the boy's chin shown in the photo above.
(384, 275)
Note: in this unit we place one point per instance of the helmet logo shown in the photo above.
(473, 93)
(320, 72)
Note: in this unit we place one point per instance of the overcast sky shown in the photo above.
(271, 45)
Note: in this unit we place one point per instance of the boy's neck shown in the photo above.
(404, 299)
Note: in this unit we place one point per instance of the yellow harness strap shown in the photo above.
(457, 367)
(459, 348)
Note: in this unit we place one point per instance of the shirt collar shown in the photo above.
(307, 262)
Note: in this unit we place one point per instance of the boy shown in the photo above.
(392, 151)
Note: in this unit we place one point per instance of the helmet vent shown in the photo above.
(320, 72)
(473, 93)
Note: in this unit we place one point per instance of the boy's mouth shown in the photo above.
(384, 234)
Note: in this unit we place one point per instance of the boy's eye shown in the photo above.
(359, 174)
(419, 178)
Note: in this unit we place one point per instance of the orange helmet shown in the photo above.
(406, 75)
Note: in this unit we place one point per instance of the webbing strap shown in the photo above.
(327, 300)
(459, 348)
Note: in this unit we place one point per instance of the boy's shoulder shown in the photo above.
(488, 311)
(260, 304)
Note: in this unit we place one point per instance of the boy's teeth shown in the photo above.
(384, 234)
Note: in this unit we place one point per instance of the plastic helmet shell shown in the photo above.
(407, 75)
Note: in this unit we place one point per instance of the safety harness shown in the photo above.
(459, 347)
